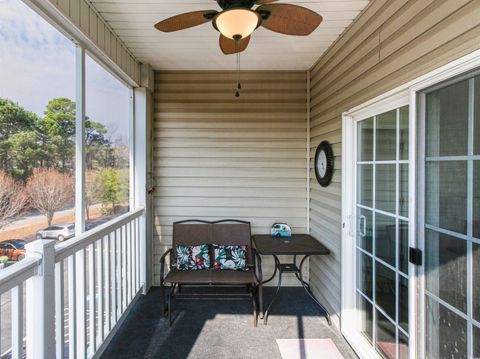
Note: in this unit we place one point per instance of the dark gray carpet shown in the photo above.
(219, 329)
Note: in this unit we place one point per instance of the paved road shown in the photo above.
(35, 218)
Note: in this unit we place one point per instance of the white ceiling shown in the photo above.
(197, 48)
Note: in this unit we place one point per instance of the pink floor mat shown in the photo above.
(308, 349)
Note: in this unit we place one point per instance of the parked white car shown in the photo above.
(60, 232)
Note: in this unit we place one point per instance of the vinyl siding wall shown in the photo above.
(390, 43)
(217, 156)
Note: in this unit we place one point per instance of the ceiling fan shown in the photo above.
(238, 20)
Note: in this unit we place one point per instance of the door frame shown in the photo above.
(405, 94)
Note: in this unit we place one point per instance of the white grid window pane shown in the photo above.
(385, 336)
(446, 268)
(476, 126)
(476, 342)
(446, 332)
(476, 199)
(403, 303)
(403, 246)
(403, 145)
(402, 346)
(365, 185)
(446, 195)
(447, 121)
(365, 140)
(476, 280)
(386, 135)
(385, 187)
(403, 191)
(385, 289)
(385, 238)
(365, 273)
(365, 314)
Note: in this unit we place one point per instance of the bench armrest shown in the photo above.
(162, 263)
(258, 265)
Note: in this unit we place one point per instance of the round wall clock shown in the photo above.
(324, 163)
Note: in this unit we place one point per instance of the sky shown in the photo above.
(37, 64)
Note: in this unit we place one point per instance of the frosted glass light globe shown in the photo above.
(237, 22)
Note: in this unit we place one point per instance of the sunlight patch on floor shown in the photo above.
(308, 349)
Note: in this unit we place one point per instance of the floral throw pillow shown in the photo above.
(193, 257)
(229, 257)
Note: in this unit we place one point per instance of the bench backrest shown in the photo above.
(224, 232)
(232, 233)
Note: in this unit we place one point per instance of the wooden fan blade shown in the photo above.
(289, 19)
(261, 2)
(228, 45)
(186, 20)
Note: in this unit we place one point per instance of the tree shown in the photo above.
(28, 141)
(58, 129)
(58, 134)
(124, 179)
(13, 119)
(92, 190)
(96, 142)
(13, 199)
(110, 187)
(121, 153)
(25, 153)
(49, 191)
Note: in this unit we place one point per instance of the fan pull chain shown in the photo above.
(239, 86)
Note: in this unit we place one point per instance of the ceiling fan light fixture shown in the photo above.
(237, 22)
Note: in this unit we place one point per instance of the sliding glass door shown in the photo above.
(449, 225)
(411, 219)
(382, 232)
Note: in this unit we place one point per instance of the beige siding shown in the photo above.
(84, 16)
(392, 42)
(217, 156)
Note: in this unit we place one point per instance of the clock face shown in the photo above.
(324, 163)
